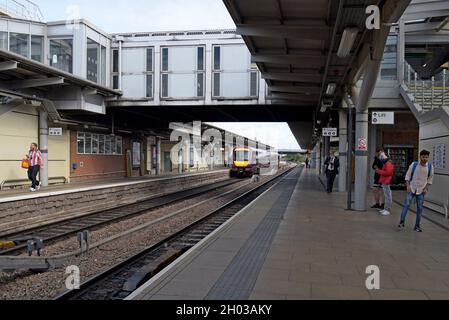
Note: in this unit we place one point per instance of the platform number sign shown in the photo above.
(330, 132)
(55, 131)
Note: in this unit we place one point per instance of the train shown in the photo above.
(248, 161)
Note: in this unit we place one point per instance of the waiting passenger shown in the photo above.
(386, 175)
(332, 165)
(377, 187)
(419, 178)
(35, 161)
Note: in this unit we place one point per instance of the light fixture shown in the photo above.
(331, 89)
(325, 104)
(347, 41)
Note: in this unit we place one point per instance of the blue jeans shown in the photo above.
(419, 207)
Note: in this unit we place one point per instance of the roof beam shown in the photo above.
(284, 31)
(295, 77)
(8, 65)
(32, 83)
(290, 59)
(292, 96)
(295, 89)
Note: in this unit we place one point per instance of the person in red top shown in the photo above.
(386, 175)
(35, 160)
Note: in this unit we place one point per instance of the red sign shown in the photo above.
(362, 144)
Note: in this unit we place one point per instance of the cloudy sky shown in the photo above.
(115, 16)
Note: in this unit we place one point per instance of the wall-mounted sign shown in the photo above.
(55, 131)
(383, 118)
(362, 144)
(330, 132)
(439, 156)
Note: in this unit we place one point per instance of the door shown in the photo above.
(167, 162)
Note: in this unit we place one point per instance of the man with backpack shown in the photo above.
(419, 178)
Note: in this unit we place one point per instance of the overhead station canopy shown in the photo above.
(22, 79)
(307, 50)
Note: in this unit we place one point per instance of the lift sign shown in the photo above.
(383, 118)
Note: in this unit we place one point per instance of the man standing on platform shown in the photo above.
(419, 178)
(332, 165)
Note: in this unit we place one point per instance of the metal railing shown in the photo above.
(428, 93)
(23, 9)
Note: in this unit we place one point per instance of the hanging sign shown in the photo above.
(330, 132)
(383, 118)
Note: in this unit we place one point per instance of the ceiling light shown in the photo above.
(331, 89)
(347, 42)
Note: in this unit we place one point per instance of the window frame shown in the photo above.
(50, 39)
(100, 140)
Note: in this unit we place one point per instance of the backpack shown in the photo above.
(415, 165)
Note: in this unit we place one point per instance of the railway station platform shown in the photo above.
(295, 242)
(20, 209)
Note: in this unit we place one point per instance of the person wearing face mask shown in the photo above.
(386, 175)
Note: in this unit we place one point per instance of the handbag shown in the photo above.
(25, 164)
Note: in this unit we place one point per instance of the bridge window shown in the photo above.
(19, 44)
(388, 69)
(200, 59)
(200, 74)
(61, 54)
(149, 72)
(217, 78)
(37, 48)
(165, 86)
(115, 58)
(103, 65)
(3, 40)
(93, 52)
(254, 84)
(217, 58)
(164, 59)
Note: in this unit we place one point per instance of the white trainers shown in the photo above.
(385, 213)
(38, 187)
(32, 190)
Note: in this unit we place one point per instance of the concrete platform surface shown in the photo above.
(296, 242)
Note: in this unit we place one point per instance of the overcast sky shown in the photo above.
(117, 16)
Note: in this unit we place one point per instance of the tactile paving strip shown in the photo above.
(239, 279)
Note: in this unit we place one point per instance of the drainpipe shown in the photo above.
(43, 145)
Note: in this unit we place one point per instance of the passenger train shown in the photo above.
(247, 162)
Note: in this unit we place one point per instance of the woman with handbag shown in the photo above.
(35, 163)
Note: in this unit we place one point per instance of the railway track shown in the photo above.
(56, 231)
(124, 278)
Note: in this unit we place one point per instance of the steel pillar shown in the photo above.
(43, 145)
(343, 150)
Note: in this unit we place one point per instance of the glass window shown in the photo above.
(216, 84)
(200, 91)
(149, 86)
(217, 58)
(19, 43)
(107, 145)
(95, 141)
(149, 60)
(37, 48)
(93, 52)
(113, 145)
(114, 60)
(61, 54)
(103, 65)
(115, 82)
(4, 40)
(201, 59)
(164, 59)
(80, 143)
(88, 143)
(253, 87)
(101, 144)
(118, 141)
(165, 85)
(388, 69)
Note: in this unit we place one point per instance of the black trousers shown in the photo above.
(32, 176)
(330, 175)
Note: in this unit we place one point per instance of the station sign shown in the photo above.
(55, 131)
(383, 118)
(330, 132)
